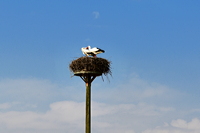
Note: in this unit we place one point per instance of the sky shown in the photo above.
(153, 47)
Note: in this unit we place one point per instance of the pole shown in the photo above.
(88, 81)
(88, 106)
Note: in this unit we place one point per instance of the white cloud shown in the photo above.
(87, 39)
(32, 93)
(179, 123)
(66, 115)
(5, 106)
(96, 15)
(178, 126)
(130, 113)
(137, 90)
(26, 88)
(66, 111)
(36, 91)
(69, 116)
(194, 124)
(62, 115)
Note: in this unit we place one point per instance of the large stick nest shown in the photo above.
(95, 64)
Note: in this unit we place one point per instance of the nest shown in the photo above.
(94, 64)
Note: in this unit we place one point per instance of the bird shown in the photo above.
(88, 51)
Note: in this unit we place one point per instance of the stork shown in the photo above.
(88, 51)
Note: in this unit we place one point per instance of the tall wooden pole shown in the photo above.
(88, 77)
(88, 107)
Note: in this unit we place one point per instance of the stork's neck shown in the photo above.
(89, 47)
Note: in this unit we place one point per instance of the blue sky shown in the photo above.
(154, 49)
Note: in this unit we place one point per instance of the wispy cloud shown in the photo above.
(96, 14)
(66, 115)
(31, 91)
(135, 103)
(5, 106)
(136, 90)
(87, 39)
(178, 126)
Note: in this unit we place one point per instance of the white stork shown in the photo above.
(88, 51)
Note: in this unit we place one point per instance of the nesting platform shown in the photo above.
(87, 73)
(93, 66)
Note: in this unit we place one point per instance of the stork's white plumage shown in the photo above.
(88, 51)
